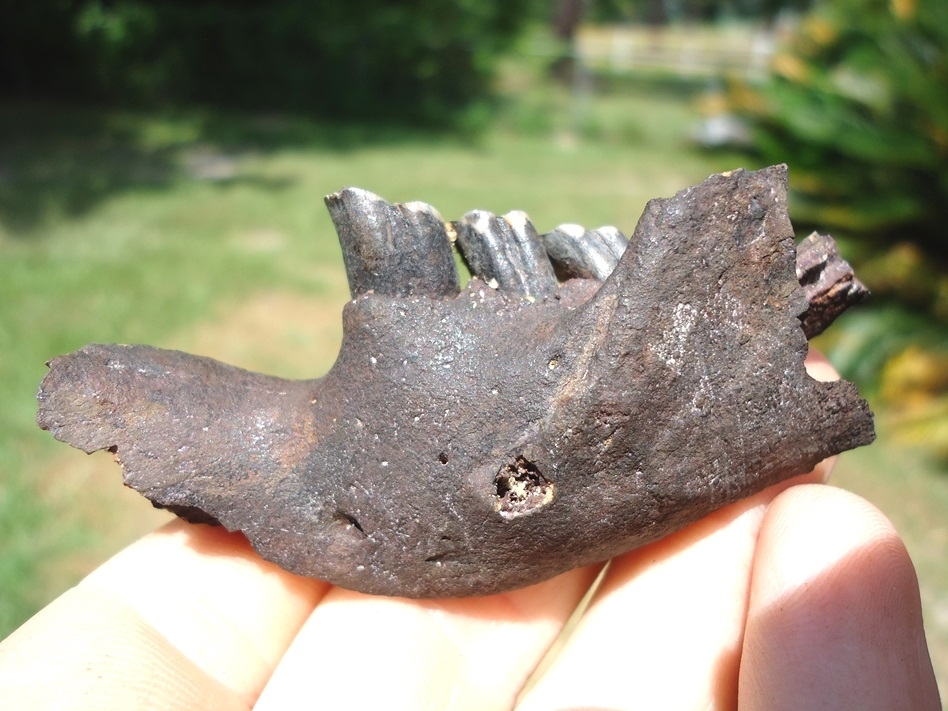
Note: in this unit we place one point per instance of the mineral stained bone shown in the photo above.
(471, 441)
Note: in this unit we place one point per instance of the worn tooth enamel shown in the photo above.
(395, 250)
(613, 239)
(506, 249)
(535, 264)
(588, 254)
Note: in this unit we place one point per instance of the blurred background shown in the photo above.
(162, 168)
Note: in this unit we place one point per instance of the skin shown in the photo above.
(802, 597)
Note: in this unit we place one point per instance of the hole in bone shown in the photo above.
(350, 522)
(520, 488)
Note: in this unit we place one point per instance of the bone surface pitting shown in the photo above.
(582, 395)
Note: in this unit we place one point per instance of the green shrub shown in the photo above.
(858, 108)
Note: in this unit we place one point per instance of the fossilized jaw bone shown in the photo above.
(478, 440)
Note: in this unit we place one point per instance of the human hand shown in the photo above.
(800, 597)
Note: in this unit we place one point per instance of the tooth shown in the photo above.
(578, 252)
(394, 250)
(506, 249)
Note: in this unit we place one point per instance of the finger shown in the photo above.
(92, 652)
(190, 609)
(589, 254)
(835, 618)
(507, 250)
(358, 651)
(664, 630)
(819, 368)
(396, 250)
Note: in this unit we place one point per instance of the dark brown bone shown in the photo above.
(476, 443)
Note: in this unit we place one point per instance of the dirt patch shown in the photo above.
(281, 333)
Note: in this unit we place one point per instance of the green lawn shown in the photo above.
(140, 228)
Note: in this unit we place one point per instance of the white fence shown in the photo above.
(682, 50)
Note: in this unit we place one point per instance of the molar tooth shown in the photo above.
(589, 254)
(393, 250)
(507, 250)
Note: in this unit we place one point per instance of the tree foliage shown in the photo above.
(859, 109)
(372, 59)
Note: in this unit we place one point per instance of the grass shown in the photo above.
(140, 228)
